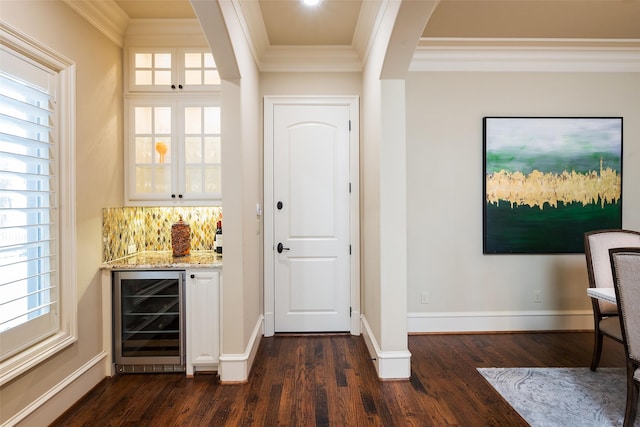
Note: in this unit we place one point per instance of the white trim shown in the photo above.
(268, 256)
(235, 368)
(530, 41)
(269, 203)
(369, 20)
(390, 365)
(250, 17)
(502, 321)
(106, 16)
(310, 58)
(355, 319)
(176, 33)
(107, 321)
(527, 55)
(54, 402)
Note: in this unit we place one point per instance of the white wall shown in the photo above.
(466, 289)
(99, 183)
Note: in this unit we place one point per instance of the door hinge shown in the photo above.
(349, 125)
(349, 249)
(350, 311)
(349, 187)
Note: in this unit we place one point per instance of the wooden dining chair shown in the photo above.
(625, 265)
(605, 315)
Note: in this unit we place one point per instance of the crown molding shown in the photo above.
(368, 22)
(311, 59)
(250, 18)
(165, 32)
(105, 15)
(522, 55)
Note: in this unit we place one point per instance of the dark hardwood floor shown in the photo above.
(330, 381)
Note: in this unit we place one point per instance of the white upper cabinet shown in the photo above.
(172, 127)
(171, 70)
(174, 152)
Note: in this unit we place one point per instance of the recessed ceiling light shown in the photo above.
(311, 2)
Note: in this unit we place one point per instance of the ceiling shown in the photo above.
(334, 22)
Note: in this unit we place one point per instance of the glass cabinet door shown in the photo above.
(153, 70)
(152, 162)
(199, 70)
(202, 152)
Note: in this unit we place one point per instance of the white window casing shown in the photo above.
(38, 307)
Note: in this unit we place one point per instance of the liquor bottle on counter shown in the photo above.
(218, 242)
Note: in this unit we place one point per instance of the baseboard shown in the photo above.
(500, 321)
(235, 368)
(390, 365)
(53, 403)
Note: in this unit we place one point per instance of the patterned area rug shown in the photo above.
(568, 397)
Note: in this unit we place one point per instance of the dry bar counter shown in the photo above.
(165, 312)
(164, 260)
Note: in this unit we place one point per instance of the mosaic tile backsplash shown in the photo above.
(149, 229)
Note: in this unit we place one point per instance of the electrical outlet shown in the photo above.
(131, 249)
(424, 297)
(537, 296)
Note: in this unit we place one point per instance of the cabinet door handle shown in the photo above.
(173, 86)
(173, 196)
(193, 276)
(180, 196)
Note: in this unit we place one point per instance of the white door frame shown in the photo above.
(269, 203)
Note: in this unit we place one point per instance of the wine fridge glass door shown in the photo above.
(148, 314)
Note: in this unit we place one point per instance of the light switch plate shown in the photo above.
(424, 297)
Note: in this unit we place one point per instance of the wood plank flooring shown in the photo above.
(331, 381)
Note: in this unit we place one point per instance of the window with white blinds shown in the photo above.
(38, 312)
(28, 280)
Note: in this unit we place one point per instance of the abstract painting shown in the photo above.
(548, 180)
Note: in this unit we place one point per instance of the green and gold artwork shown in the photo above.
(549, 180)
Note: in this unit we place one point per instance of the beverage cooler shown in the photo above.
(149, 321)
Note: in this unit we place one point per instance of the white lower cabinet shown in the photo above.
(203, 319)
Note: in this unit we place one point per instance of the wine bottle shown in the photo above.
(219, 237)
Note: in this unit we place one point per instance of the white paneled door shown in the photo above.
(311, 193)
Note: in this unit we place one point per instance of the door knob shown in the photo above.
(281, 248)
(279, 205)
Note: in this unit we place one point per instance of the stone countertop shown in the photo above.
(164, 260)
